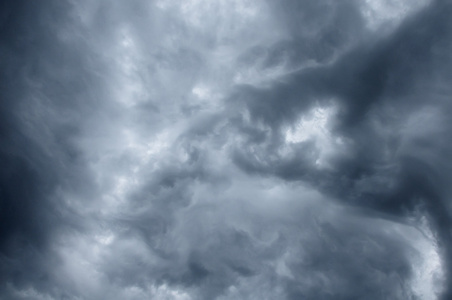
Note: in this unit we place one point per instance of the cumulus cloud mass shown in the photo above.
(225, 149)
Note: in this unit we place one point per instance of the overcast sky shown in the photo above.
(225, 149)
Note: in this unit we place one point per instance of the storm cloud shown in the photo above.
(227, 149)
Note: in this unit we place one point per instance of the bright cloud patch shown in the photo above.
(381, 13)
(316, 126)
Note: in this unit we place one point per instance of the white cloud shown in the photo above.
(387, 14)
(315, 125)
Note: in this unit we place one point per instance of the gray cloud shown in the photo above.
(225, 150)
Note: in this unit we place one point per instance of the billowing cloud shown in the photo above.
(225, 149)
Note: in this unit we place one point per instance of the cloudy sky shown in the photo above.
(225, 149)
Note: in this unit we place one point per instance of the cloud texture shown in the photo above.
(238, 149)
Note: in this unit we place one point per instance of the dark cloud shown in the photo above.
(225, 149)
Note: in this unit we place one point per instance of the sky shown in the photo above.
(225, 149)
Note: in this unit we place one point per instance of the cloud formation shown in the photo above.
(203, 149)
